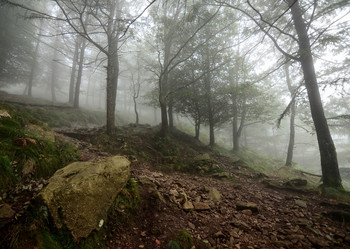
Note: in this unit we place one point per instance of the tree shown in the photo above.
(16, 46)
(175, 31)
(292, 90)
(300, 39)
(34, 61)
(105, 28)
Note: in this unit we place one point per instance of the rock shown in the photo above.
(221, 175)
(214, 195)
(79, 195)
(6, 214)
(188, 206)
(304, 222)
(301, 203)
(247, 212)
(201, 206)
(247, 205)
(174, 192)
(29, 167)
(240, 224)
(4, 114)
(191, 225)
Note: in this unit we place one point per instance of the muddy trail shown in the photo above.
(236, 208)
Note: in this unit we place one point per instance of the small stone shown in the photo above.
(174, 192)
(301, 203)
(191, 225)
(214, 195)
(187, 205)
(240, 224)
(29, 167)
(219, 235)
(247, 212)
(4, 114)
(247, 205)
(201, 206)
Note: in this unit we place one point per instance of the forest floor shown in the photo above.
(248, 212)
(233, 207)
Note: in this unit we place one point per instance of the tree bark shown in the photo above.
(237, 129)
(54, 71)
(163, 87)
(80, 73)
(74, 70)
(35, 61)
(112, 66)
(290, 150)
(197, 127)
(170, 113)
(329, 162)
(112, 83)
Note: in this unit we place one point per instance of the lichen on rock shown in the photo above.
(79, 195)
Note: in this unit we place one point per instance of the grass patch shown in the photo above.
(26, 153)
(335, 193)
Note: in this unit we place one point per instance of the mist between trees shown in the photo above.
(271, 75)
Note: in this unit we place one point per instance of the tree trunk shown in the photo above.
(135, 109)
(35, 61)
(54, 72)
(112, 66)
(171, 113)
(74, 70)
(112, 83)
(164, 116)
(289, 158)
(197, 127)
(237, 129)
(329, 162)
(80, 73)
(163, 90)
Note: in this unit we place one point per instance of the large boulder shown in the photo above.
(79, 196)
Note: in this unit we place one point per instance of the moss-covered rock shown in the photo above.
(80, 195)
(182, 240)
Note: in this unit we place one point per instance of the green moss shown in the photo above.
(174, 245)
(167, 146)
(47, 240)
(7, 175)
(43, 155)
(182, 240)
(127, 203)
(336, 193)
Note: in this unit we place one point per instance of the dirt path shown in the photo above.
(273, 218)
(282, 219)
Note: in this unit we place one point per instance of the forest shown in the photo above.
(248, 97)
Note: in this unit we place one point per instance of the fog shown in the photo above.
(212, 70)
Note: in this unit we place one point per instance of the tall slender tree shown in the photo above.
(299, 39)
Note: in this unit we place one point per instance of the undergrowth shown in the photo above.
(28, 154)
